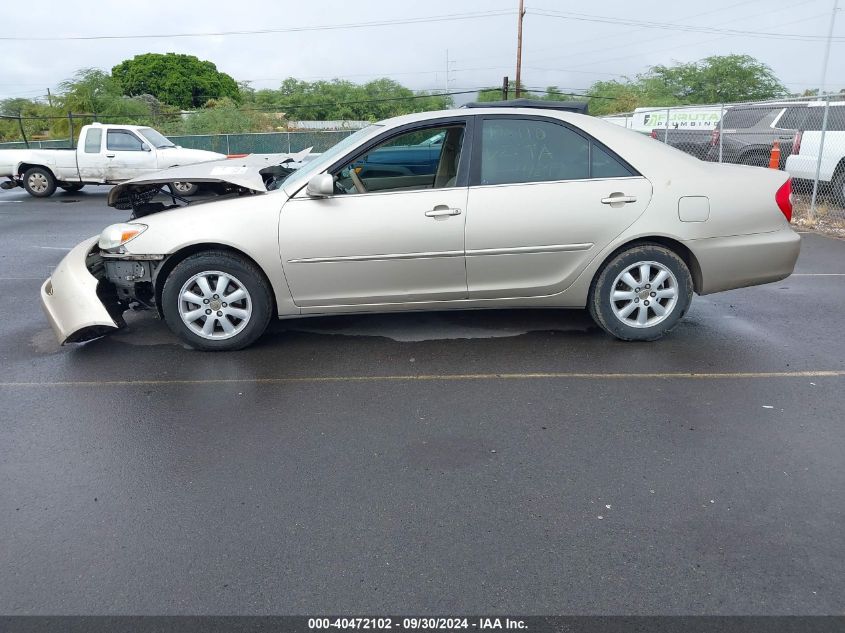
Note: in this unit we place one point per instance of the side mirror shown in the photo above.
(145, 147)
(320, 186)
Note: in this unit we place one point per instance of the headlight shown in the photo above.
(117, 235)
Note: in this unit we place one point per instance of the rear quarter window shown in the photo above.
(792, 119)
(93, 138)
(741, 118)
(835, 119)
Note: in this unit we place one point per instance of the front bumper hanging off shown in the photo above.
(70, 299)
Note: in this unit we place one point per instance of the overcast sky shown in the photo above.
(568, 53)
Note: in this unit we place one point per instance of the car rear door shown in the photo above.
(544, 199)
(399, 242)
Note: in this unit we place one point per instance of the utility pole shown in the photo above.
(504, 88)
(49, 98)
(447, 71)
(827, 48)
(814, 197)
(519, 48)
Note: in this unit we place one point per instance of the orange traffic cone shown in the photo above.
(774, 158)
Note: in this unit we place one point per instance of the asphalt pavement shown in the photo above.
(446, 463)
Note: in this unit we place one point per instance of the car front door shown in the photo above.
(127, 156)
(393, 235)
(544, 198)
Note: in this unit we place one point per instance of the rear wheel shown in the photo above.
(755, 159)
(641, 294)
(837, 187)
(39, 182)
(72, 187)
(217, 301)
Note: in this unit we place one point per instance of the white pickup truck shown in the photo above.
(105, 155)
(804, 160)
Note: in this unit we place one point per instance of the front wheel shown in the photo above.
(642, 293)
(39, 182)
(184, 188)
(217, 301)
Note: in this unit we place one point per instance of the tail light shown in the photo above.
(714, 138)
(796, 143)
(654, 134)
(783, 197)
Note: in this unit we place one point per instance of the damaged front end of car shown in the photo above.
(99, 280)
(79, 303)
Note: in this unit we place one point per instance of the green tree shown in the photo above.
(95, 93)
(340, 99)
(717, 79)
(179, 80)
(221, 116)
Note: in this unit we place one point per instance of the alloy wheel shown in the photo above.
(644, 294)
(215, 305)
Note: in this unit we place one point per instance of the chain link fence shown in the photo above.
(803, 136)
(253, 143)
(263, 143)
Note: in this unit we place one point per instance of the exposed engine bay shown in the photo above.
(249, 175)
(126, 283)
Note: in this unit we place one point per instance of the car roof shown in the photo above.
(416, 117)
(118, 126)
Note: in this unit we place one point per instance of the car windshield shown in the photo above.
(156, 139)
(325, 159)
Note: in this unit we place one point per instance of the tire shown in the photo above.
(72, 187)
(39, 182)
(184, 188)
(676, 286)
(754, 159)
(246, 318)
(837, 188)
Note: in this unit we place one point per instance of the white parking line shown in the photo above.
(818, 275)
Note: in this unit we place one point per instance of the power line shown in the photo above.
(604, 48)
(684, 45)
(296, 29)
(583, 17)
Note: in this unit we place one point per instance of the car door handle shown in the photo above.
(439, 212)
(109, 155)
(618, 199)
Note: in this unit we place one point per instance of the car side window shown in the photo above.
(421, 159)
(525, 150)
(815, 119)
(93, 138)
(604, 165)
(792, 119)
(123, 141)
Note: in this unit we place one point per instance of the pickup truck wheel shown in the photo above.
(72, 187)
(754, 159)
(641, 294)
(217, 301)
(39, 182)
(184, 188)
(837, 188)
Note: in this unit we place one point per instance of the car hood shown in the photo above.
(248, 172)
(184, 155)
